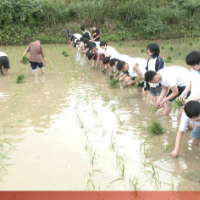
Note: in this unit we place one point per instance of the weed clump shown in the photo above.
(177, 103)
(20, 78)
(24, 60)
(113, 82)
(64, 53)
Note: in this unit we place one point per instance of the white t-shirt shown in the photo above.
(142, 63)
(88, 33)
(100, 50)
(195, 80)
(174, 75)
(2, 54)
(77, 35)
(185, 121)
(110, 51)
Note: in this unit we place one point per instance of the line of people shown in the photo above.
(161, 84)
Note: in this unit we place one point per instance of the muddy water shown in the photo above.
(72, 132)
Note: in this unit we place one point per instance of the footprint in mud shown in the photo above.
(39, 130)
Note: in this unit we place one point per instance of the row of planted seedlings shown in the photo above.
(120, 159)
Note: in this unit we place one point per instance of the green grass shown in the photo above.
(113, 82)
(155, 127)
(177, 103)
(20, 78)
(24, 60)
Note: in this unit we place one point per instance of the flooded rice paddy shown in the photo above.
(70, 131)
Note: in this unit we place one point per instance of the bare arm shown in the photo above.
(137, 70)
(187, 89)
(162, 95)
(177, 144)
(26, 50)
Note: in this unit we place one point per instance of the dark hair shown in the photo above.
(106, 60)
(120, 65)
(149, 75)
(91, 47)
(90, 55)
(37, 39)
(92, 26)
(154, 48)
(192, 109)
(77, 41)
(113, 60)
(85, 40)
(193, 58)
(103, 43)
(82, 28)
(81, 39)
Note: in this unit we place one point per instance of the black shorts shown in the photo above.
(180, 90)
(34, 65)
(4, 62)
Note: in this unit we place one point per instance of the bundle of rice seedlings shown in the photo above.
(104, 71)
(143, 50)
(64, 53)
(133, 45)
(180, 53)
(24, 60)
(113, 82)
(20, 78)
(155, 127)
(153, 110)
(2, 72)
(177, 103)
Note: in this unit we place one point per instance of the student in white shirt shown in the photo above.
(192, 112)
(108, 52)
(4, 63)
(136, 68)
(174, 77)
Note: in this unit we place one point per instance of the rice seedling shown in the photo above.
(90, 182)
(180, 53)
(133, 45)
(189, 175)
(153, 110)
(120, 44)
(24, 60)
(113, 82)
(95, 112)
(20, 78)
(113, 107)
(155, 176)
(135, 185)
(155, 127)
(119, 120)
(103, 132)
(167, 148)
(177, 103)
(193, 38)
(183, 40)
(92, 154)
(104, 71)
(162, 47)
(143, 50)
(169, 58)
(2, 72)
(191, 43)
(113, 141)
(171, 48)
(122, 169)
(168, 42)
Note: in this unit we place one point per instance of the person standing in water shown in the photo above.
(36, 55)
(4, 63)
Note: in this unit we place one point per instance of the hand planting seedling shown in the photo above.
(20, 78)
(177, 103)
(24, 60)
